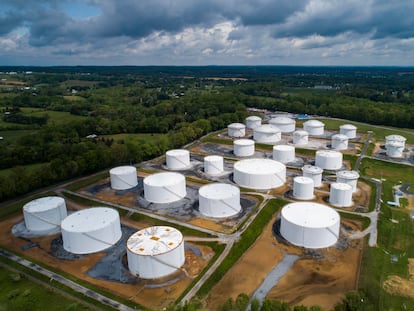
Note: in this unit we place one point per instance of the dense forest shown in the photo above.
(67, 116)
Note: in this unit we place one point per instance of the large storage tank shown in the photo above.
(213, 165)
(123, 177)
(219, 200)
(253, 122)
(178, 159)
(91, 230)
(300, 137)
(313, 172)
(284, 153)
(395, 144)
(285, 124)
(339, 142)
(236, 130)
(310, 225)
(155, 252)
(314, 127)
(259, 173)
(44, 214)
(303, 188)
(349, 130)
(340, 195)
(243, 147)
(328, 159)
(348, 177)
(267, 134)
(164, 187)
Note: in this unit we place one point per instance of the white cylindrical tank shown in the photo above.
(213, 165)
(349, 130)
(314, 127)
(44, 214)
(348, 177)
(164, 187)
(284, 153)
(313, 172)
(303, 188)
(253, 122)
(155, 252)
(236, 130)
(300, 137)
(395, 144)
(91, 230)
(339, 142)
(259, 173)
(178, 159)
(285, 124)
(340, 195)
(243, 147)
(219, 200)
(123, 177)
(267, 134)
(310, 225)
(328, 159)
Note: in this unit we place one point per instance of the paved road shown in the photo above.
(363, 151)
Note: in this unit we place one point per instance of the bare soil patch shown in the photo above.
(396, 285)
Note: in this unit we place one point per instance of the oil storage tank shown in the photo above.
(395, 144)
(243, 147)
(340, 195)
(267, 134)
(123, 177)
(303, 188)
(348, 177)
(236, 130)
(259, 174)
(339, 142)
(313, 172)
(314, 127)
(164, 187)
(91, 230)
(213, 165)
(349, 130)
(155, 252)
(253, 122)
(300, 137)
(219, 200)
(328, 159)
(285, 124)
(284, 153)
(178, 159)
(44, 214)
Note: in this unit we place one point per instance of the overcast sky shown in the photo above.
(207, 32)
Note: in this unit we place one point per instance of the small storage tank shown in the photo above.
(349, 130)
(123, 177)
(253, 122)
(309, 224)
(243, 147)
(328, 159)
(44, 214)
(300, 137)
(91, 230)
(314, 127)
(178, 159)
(313, 172)
(284, 153)
(236, 130)
(213, 165)
(303, 188)
(339, 142)
(267, 134)
(259, 173)
(348, 177)
(155, 252)
(164, 187)
(395, 144)
(219, 200)
(285, 124)
(340, 195)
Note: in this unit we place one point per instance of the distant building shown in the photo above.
(93, 136)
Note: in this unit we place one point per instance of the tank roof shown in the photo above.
(328, 153)
(267, 128)
(164, 179)
(90, 219)
(300, 133)
(244, 142)
(340, 137)
(395, 137)
(283, 147)
(236, 125)
(303, 180)
(312, 169)
(253, 118)
(348, 174)
(259, 166)
(348, 127)
(314, 123)
(43, 204)
(177, 152)
(219, 191)
(310, 215)
(341, 186)
(282, 120)
(120, 170)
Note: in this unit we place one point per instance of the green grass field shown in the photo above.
(12, 136)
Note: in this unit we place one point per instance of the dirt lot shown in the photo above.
(396, 285)
(310, 281)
